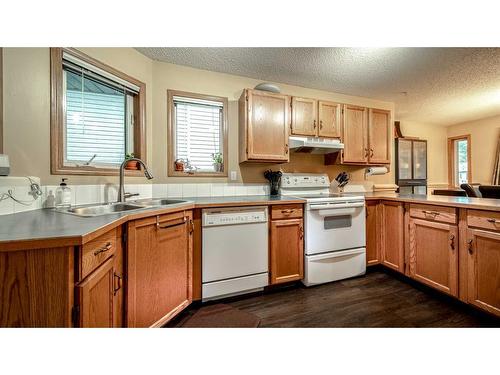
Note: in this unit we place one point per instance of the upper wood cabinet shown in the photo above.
(366, 135)
(433, 254)
(329, 115)
(304, 116)
(264, 120)
(159, 266)
(372, 233)
(392, 235)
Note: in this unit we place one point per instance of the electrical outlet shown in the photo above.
(233, 176)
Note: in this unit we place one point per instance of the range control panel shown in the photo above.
(233, 217)
(310, 180)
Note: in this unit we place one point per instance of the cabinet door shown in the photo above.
(354, 134)
(379, 139)
(267, 127)
(96, 297)
(420, 160)
(434, 254)
(329, 115)
(392, 239)
(287, 250)
(483, 265)
(304, 116)
(159, 268)
(372, 234)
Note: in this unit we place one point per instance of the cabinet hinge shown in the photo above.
(75, 315)
(342, 110)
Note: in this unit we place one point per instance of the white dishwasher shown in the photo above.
(234, 251)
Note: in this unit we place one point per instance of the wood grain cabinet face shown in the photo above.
(304, 116)
(379, 140)
(287, 250)
(392, 235)
(483, 267)
(372, 234)
(329, 115)
(264, 123)
(354, 134)
(433, 258)
(159, 268)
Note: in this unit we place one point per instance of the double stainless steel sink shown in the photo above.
(119, 207)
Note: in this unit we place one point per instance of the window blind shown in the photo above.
(198, 131)
(96, 117)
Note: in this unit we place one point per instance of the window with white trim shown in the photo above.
(197, 130)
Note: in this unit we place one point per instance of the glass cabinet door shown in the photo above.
(419, 160)
(404, 159)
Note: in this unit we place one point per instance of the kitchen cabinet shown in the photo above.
(483, 260)
(304, 116)
(264, 120)
(433, 254)
(392, 235)
(366, 136)
(286, 246)
(159, 268)
(329, 115)
(372, 233)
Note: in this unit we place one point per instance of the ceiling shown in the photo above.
(441, 86)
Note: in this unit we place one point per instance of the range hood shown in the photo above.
(314, 145)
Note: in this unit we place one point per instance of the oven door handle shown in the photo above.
(336, 254)
(313, 206)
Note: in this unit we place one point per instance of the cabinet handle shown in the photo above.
(286, 148)
(469, 243)
(103, 249)
(314, 124)
(286, 212)
(301, 235)
(119, 279)
(321, 124)
(435, 213)
(452, 241)
(493, 221)
(371, 152)
(191, 226)
(173, 223)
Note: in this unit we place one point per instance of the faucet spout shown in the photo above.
(147, 173)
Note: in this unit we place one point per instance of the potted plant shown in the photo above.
(217, 159)
(132, 164)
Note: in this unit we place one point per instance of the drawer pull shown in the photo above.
(286, 212)
(103, 249)
(452, 241)
(435, 213)
(119, 283)
(171, 224)
(493, 221)
(469, 243)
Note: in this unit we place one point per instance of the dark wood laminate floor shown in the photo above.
(379, 299)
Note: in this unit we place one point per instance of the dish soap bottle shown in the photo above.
(63, 195)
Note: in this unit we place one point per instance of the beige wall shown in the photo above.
(484, 138)
(436, 149)
(27, 114)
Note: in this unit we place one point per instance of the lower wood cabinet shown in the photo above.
(372, 233)
(483, 267)
(433, 254)
(159, 268)
(286, 250)
(392, 235)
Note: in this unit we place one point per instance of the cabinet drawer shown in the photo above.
(483, 219)
(434, 213)
(95, 252)
(286, 211)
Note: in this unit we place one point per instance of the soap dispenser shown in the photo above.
(63, 195)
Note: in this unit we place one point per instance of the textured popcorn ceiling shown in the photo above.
(442, 86)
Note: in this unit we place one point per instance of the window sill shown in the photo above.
(95, 171)
(196, 174)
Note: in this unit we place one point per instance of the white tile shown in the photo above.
(203, 190)
(109, 193)
(254, 189)
(189, 190)
(49, 196)
(160, 190)
(21, 193)
(174, 190)
(145, 191)
(217, 190)
(88, 194)
(267, 190)
(6, 204)
(229, 190)
(240, 190)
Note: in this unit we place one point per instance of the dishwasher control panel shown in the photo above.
(234, 216)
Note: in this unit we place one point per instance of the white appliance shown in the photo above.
(234, 251)
(314, 145)
(334, 233)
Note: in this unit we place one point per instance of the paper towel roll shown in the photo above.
(376, 171)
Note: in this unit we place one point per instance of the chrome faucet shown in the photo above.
(121, 191)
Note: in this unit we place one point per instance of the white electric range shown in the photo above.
(335, 240)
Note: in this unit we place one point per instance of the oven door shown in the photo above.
(334, 226)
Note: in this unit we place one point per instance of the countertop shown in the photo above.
(27, 229)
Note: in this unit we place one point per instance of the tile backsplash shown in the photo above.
(88, 194)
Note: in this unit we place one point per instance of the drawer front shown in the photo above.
(286, 211)
(434, 213)
(95, 252)
(483, 219)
